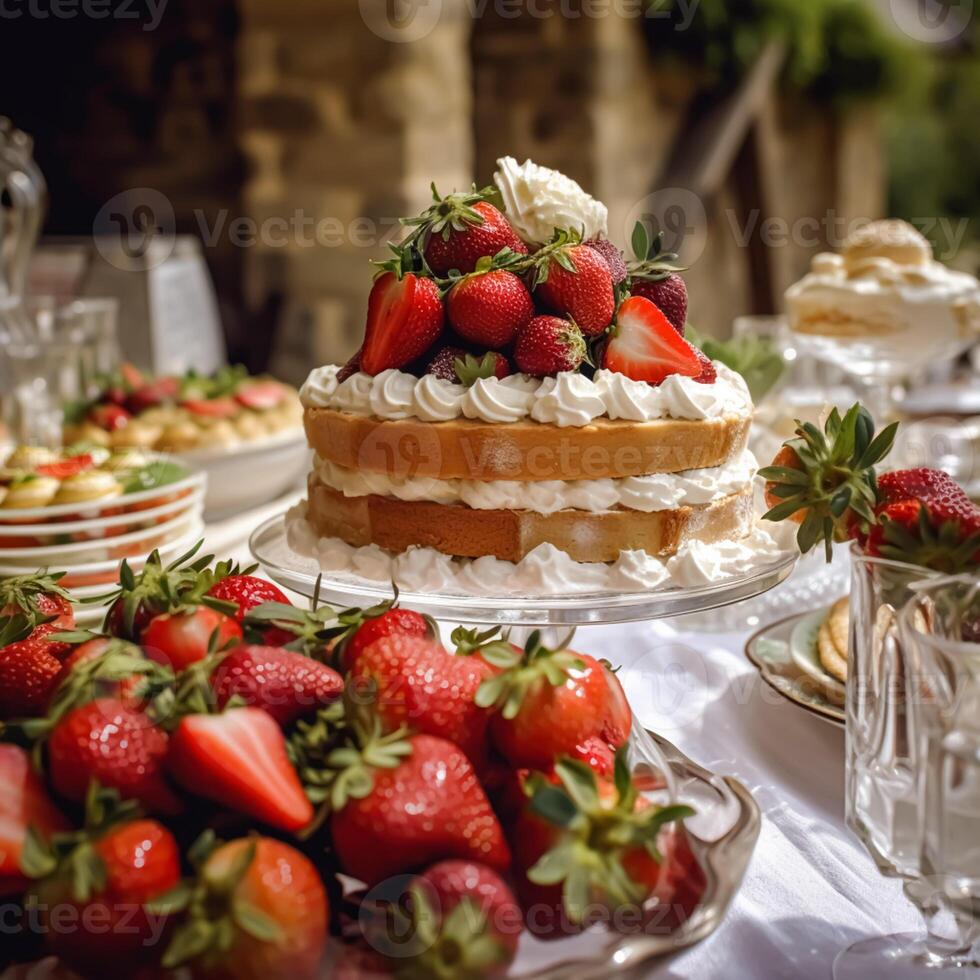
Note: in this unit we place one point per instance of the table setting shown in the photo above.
(543, 638)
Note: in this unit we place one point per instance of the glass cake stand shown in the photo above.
(299, 573)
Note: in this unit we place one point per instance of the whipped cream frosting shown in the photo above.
(544, 571)
(660, 491)
(569, 399)
(538, 200)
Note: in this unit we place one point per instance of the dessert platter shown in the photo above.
(273, 795)
(526, 420)
(245, 432)
(83, 509)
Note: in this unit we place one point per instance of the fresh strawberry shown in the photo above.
(247, 592)
(405, 317)
(597, 754)
(39, 597)
(223, 407)
(24, 803)
(238, 759)
(618, 722)
(825, 481)
(413, 680)
(489, 308)
(460, 229)
(456, 365)
(153, 393)
(109, 417)
(471, 920)
(608, 835)
(29, 667)
(105, 876)
(64, 468)
(111, 742)
(548, 701)
(405, 802)
(925, 518)
(709, 373)
(612, 255)
(645, 347)
(179, 639)
(260, 395)
(390, 622)
(549, 345)
(575, 281)
(257, 909)
(669, 295)
(285, 684)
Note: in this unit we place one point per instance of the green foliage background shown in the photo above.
(840, 53)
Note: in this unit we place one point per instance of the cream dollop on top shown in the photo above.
(537, 200)
(658, 491)
(569, 399)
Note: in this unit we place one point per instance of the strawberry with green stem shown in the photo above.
(107, 874)
(654, 275)
(255, 909)
(38, 597)
(825, 481)
(584, 842)
(546, 701)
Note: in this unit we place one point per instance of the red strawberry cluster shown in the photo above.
(194, 779)
(464, 298)
(826, 482)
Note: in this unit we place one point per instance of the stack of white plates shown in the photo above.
(88, 541)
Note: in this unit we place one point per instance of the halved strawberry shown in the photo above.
(261, 395)
(109, 417)
(65, 468)
(211, 408)
(645, 347)
(405, 317)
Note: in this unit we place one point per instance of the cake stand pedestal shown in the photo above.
(270, 548)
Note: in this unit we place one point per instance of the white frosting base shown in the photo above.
(543, 572)
(569, 399)
(660, 491)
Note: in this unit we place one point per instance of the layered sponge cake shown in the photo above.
(525, 411)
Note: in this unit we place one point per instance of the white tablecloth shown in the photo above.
(810, 889)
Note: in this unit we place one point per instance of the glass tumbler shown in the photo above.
(939, 628)
(880, 789)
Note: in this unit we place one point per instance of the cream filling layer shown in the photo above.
(544, 571)
(661, 491)
(566, 400)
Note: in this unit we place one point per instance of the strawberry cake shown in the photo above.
(525, 414)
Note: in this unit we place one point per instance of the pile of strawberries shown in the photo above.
(826, 481)
(463, 298)
(224, 782)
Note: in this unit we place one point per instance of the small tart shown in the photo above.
(179, 435)
(36, 491)
(89, 485)
(27, 458)
(139, 434)
(125, 459)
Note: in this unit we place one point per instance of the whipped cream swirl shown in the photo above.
(569, 399)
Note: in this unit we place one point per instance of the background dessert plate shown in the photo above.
(138, 542)
(107, 506)
(270, 548)
(769, 652)
(803, 650)
(247, 474)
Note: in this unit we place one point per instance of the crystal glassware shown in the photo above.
(880, 791)
(939, 630)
